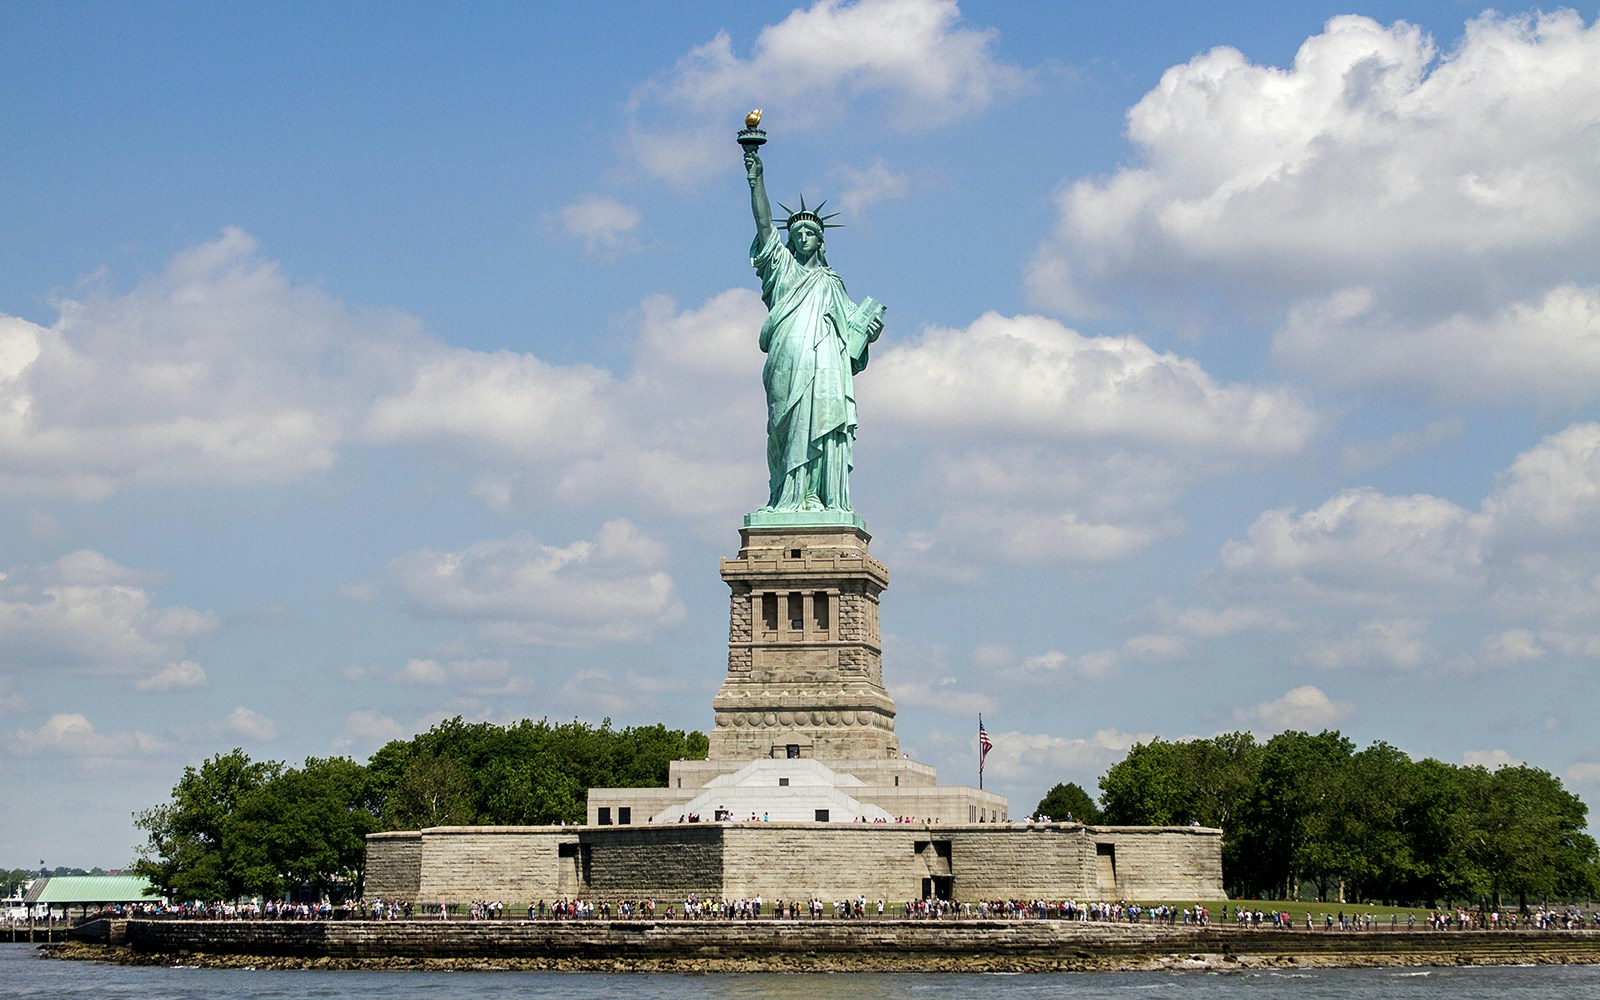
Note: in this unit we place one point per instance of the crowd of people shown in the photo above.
(694, 907)
(1542, 919)
(269, 909)
(1571, 918)
(1066, 909)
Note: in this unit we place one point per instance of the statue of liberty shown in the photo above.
(815, 340)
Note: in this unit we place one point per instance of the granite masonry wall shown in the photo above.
(641, 938)
(395, 864)
(797, 945)
(829, 861)
(665, 863)
(1030, 862)
(939, 945)
(1149, 860)
(463, 863)
(519, 865)
(804, 654)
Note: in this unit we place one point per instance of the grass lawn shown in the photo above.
(1319, 912)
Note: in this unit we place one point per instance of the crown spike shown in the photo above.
(808, 214)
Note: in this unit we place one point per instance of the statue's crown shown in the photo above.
(811, 215)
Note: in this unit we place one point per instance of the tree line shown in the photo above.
(235, 827)
(1302, 813)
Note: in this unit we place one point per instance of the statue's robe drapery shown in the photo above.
(811, 405)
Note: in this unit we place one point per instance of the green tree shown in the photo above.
(189, 854)
(1430, 819)
(526, 773)
(1146, 788)
(430, 791)
(236, 827)
(1209, 782)
(1222, 771)
(1284, 824)
(307, 827)
(1372, 825)
(1368, 821)
(1068, 801)
(16, 879)
(1526, 835)
(1356, 838)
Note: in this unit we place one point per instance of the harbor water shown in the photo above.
(24, 974)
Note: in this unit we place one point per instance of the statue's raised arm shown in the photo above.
(760, 207)
(815, 340)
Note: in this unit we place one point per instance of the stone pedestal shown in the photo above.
(805, 667)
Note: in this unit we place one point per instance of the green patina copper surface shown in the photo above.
(816, 340)
(803, 519)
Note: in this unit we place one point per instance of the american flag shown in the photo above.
(985, 744)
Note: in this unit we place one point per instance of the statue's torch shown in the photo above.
(751, 136)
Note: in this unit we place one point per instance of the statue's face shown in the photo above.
(807, 241)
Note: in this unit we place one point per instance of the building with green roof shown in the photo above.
(88, 892)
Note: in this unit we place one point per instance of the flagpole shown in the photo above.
(980, 751)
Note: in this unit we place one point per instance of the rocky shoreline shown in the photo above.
(1189, 962)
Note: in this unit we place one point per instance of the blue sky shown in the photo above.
(362, 367)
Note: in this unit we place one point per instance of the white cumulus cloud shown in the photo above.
(249, 724)
(606, 227)
(176, 676)
(240, 724)
(632, 694)
(1585, 772)
(1033, 377)
(520, 590)
(1363, 545)
(482, 676)
(910, 64)
(1057, 667)
(943, 695)
(1048, 446)
(1381, 643)
(1372, 151)
(1514, 578)
(1306, 708)
(498, 403)
(1043, 759)
(11, 703)
(1426, 218)
(1548, 349)
(366, 729)
(220, 368)
(868, 185)
(214, 369)
(661, 435)
(1209, 623)
(85, 613)
(72, 735)
(1492, 760)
